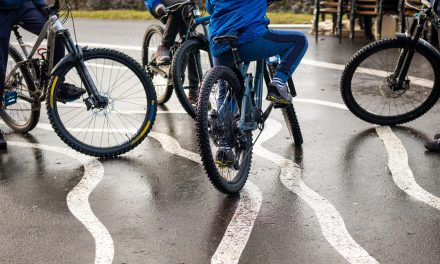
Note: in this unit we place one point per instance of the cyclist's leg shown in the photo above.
(33, 21)
(193, 74)
(173, 26)
(7, 20)
(291, 44)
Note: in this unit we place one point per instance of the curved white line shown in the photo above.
(331, 223)
(240, 227)
(78, 200)
(402, 174)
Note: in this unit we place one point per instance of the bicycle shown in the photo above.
(118, 105)
(395, 80)
(191, 50)
(233, 116)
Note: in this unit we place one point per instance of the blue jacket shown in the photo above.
(151, 4)
(14, 4)
(243, 17)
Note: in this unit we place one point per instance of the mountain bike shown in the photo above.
(113, 115)
(190, 58)
(230, 109)
(395, 80)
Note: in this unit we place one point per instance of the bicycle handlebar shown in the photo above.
(175, 7)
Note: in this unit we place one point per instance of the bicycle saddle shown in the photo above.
(231, 39)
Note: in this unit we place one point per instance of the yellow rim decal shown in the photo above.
(52, 90)
(142, 133)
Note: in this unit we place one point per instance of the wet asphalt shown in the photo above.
(161, 208)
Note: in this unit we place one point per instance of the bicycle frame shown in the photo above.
(53, 28)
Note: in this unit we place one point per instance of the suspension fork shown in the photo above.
(83, 72)
(407, 54)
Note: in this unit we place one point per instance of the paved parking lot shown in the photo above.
(354, 193)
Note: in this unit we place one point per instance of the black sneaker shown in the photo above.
(3, 144)
(434, 145)
(278, 94)
(69, 92)
(225, 156)
(193, 94)
(163, 55)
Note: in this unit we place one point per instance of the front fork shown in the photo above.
(407, 54)
(95, 99)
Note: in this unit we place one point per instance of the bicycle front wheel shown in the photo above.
(190, 62)
(106, 130)
(162, 85)
(23, 114)
(218, 114)
(369, 89)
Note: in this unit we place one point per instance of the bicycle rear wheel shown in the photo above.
(163, 86)
(23, 115)
(217, 122)
(190, 62)
(288, 111)
(111, 129)
(368, 84)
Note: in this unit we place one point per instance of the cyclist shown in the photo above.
(174, 24)
(434, 145)
(31, 15)
(246, 20)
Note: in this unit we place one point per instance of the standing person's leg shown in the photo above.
(7, 20)
(194, 66)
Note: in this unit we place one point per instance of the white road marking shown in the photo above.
(240, 227)
(78, 199)
(332, 225)
(380, 73)
(321, 64)
(402, 174)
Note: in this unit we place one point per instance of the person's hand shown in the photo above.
(161, 12)
(44, 9)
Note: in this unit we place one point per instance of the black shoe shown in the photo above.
(433, 146)
(193, 94)
(278, 94)
(163, 55)
(3, 144)
(225, 156)
(69, 92)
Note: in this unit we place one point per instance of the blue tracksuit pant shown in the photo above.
(31, 19)
(291, 45)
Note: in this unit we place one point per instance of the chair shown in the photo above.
(336, 8)
(367, 9)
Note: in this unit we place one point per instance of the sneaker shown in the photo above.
(163, 55)
(225, 156)
(69, 92)
(193, 94)
(3, 144)
(434, 145)
(278, 93)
